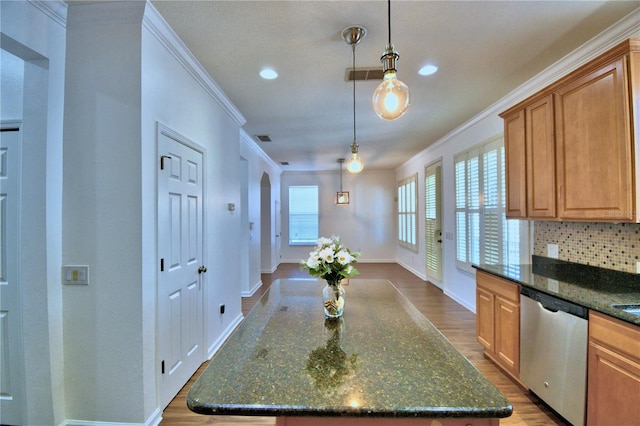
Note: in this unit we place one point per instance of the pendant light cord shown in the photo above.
(389, 18)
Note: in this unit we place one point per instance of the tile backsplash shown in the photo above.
(606, 245)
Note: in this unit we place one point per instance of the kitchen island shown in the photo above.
(383, 362)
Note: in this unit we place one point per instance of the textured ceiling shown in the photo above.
(484, 49)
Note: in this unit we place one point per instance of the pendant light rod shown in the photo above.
(352, 36)
(353, 48)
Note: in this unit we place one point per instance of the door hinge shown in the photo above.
(162, 265)
(162, 366)
(162, 158)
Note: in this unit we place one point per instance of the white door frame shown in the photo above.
(12, 398)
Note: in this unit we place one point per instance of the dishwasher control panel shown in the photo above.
(554, 304)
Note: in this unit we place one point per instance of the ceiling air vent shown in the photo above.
(263, 138)
(284, 163)
(360, 74)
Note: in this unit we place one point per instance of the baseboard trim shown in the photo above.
(153, 420)
(252, 290)
(217, 344)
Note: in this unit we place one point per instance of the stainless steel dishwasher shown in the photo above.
(553, 352)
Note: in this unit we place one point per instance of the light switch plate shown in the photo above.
(552, 251)
(75, 274)
(552, 285)
(638, 267)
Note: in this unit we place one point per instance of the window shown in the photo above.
(407, 212)
(303, 215)
(483, 234)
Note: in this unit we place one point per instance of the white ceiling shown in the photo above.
(484, 49)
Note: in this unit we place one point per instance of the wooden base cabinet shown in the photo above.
(498, 321)
(613, 372)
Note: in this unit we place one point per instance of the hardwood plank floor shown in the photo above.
(453, 320)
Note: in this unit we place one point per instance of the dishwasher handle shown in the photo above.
(554, 304)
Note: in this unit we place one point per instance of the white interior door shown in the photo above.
(11, 353)
(433, 220)
(278, 231)
(180, 250)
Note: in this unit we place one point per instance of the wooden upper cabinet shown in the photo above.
(594, 139)
(515, 167)
(530, 160)
(571, 153)
(541, 159)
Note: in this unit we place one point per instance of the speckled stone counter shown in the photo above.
(589, 286)
(382, 359)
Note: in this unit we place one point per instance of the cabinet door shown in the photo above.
(515, 167)
(507, 338)
(614, 388)
(594, 148)
(485, 319)
(541, 159)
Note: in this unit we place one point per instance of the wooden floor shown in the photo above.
(452, 319)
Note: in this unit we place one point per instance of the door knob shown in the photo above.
(202, 269)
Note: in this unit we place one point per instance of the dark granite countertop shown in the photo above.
(589, 286)
(383, 359)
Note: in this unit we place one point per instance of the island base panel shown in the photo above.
(382, 421)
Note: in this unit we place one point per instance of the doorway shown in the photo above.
(433, 221)
(266, 261)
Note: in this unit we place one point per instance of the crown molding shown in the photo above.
(54, 9)
(158, 27)
(627, 27)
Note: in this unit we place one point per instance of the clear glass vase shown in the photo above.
(333, 299)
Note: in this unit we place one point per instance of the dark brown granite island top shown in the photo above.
(383, 359)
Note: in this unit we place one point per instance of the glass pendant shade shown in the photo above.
(355, 164)
(391, 98)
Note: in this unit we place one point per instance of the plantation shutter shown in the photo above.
(484, 235)
(432, 222)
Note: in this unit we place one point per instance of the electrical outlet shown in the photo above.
(552, 251)
(552, 285)
(638, 267)
(75, 275)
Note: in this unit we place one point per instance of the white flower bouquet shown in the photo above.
(331, 261)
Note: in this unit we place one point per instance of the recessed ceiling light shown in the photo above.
(428, 70)
(268, 74)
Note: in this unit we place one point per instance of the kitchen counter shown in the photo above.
(589, 286)
(383, 359)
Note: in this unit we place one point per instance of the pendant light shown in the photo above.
(353, 36)
(391, 98)
(342, 197)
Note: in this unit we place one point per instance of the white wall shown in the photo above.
(129, 74)
(102, 213)
(35, 33)
(456, 283)
(366, 224)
